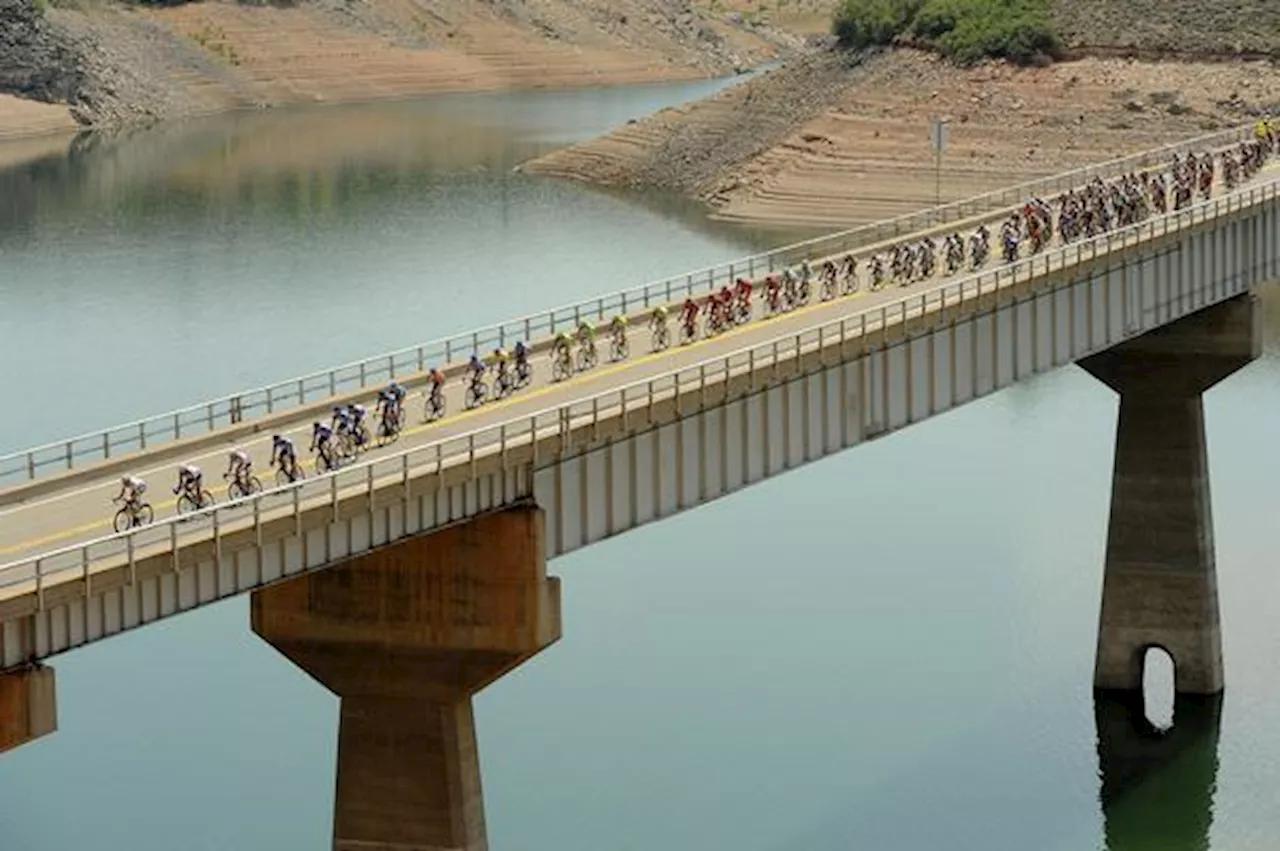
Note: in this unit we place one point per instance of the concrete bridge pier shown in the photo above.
(1160, 583)
(405, 636)
(28, 706)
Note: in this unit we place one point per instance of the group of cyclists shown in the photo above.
(1082, 213)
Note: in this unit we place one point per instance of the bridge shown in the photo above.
(409, 580)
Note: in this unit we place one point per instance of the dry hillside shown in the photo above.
(112, 62)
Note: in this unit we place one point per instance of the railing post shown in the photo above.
(297, 519)
(40, 584)
(271, 406)
(471, 454)
(333, 495)
(70, 460)
(142, 435)
(84, 573)
(31, 465)
(257, 522)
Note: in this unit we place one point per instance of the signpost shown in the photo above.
(938, 136)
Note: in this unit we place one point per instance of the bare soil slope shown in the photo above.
(861, 152)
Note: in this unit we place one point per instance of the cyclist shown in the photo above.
(586, 334)
(503, 361)
(658, 317)
(190, 482)
(321, 437)
(389, 410)
(437, 382)
(340, 421)
(131, 490)
(689, 316)
(355, 424)
(587, 340)
(562, 356)
(239, 466)
(282, 451)
(619, 329)
(477, 367)
(521, 352)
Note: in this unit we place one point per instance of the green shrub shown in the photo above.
(965, 31)
(862, 23)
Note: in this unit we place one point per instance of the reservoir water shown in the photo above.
(890, 649)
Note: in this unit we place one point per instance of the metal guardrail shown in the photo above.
(29, 464)
(171, 535)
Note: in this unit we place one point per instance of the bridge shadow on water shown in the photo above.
(1157, 785)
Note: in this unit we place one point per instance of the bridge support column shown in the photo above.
(1160, 585)
(28, 706)
(405, 636)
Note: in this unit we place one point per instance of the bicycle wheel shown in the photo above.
(475, 396)
(235, 490)
(283, 478)
(661, 337)
(524, 375)
(621, 348)
(123, 520)
(144, 515)
(185, 505)
(255, 485)
(560, 369)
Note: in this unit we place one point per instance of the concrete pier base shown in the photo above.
(1160, 584)
(28, 706)
(405, 636)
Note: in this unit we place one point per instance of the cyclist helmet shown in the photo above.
(396, 388)
(358, 410)
(520, 349)
(338, 411)
(318, 426)
(475, 359)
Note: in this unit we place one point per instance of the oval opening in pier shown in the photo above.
(1157, 687)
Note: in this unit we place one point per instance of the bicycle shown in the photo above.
(242, 485)
(660, 334)
(288, 474)
(587, 356)
(524, 374)
(477, 391)
(389, 427)
(191, 500)
(619, 348)
(135, 513)
(433, 409)
(328, 458)
(504, 384)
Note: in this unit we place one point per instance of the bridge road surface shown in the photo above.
(83, 511)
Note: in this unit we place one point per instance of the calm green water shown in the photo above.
(891, 649)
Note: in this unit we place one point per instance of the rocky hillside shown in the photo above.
(114, 62)
(1188, 27)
